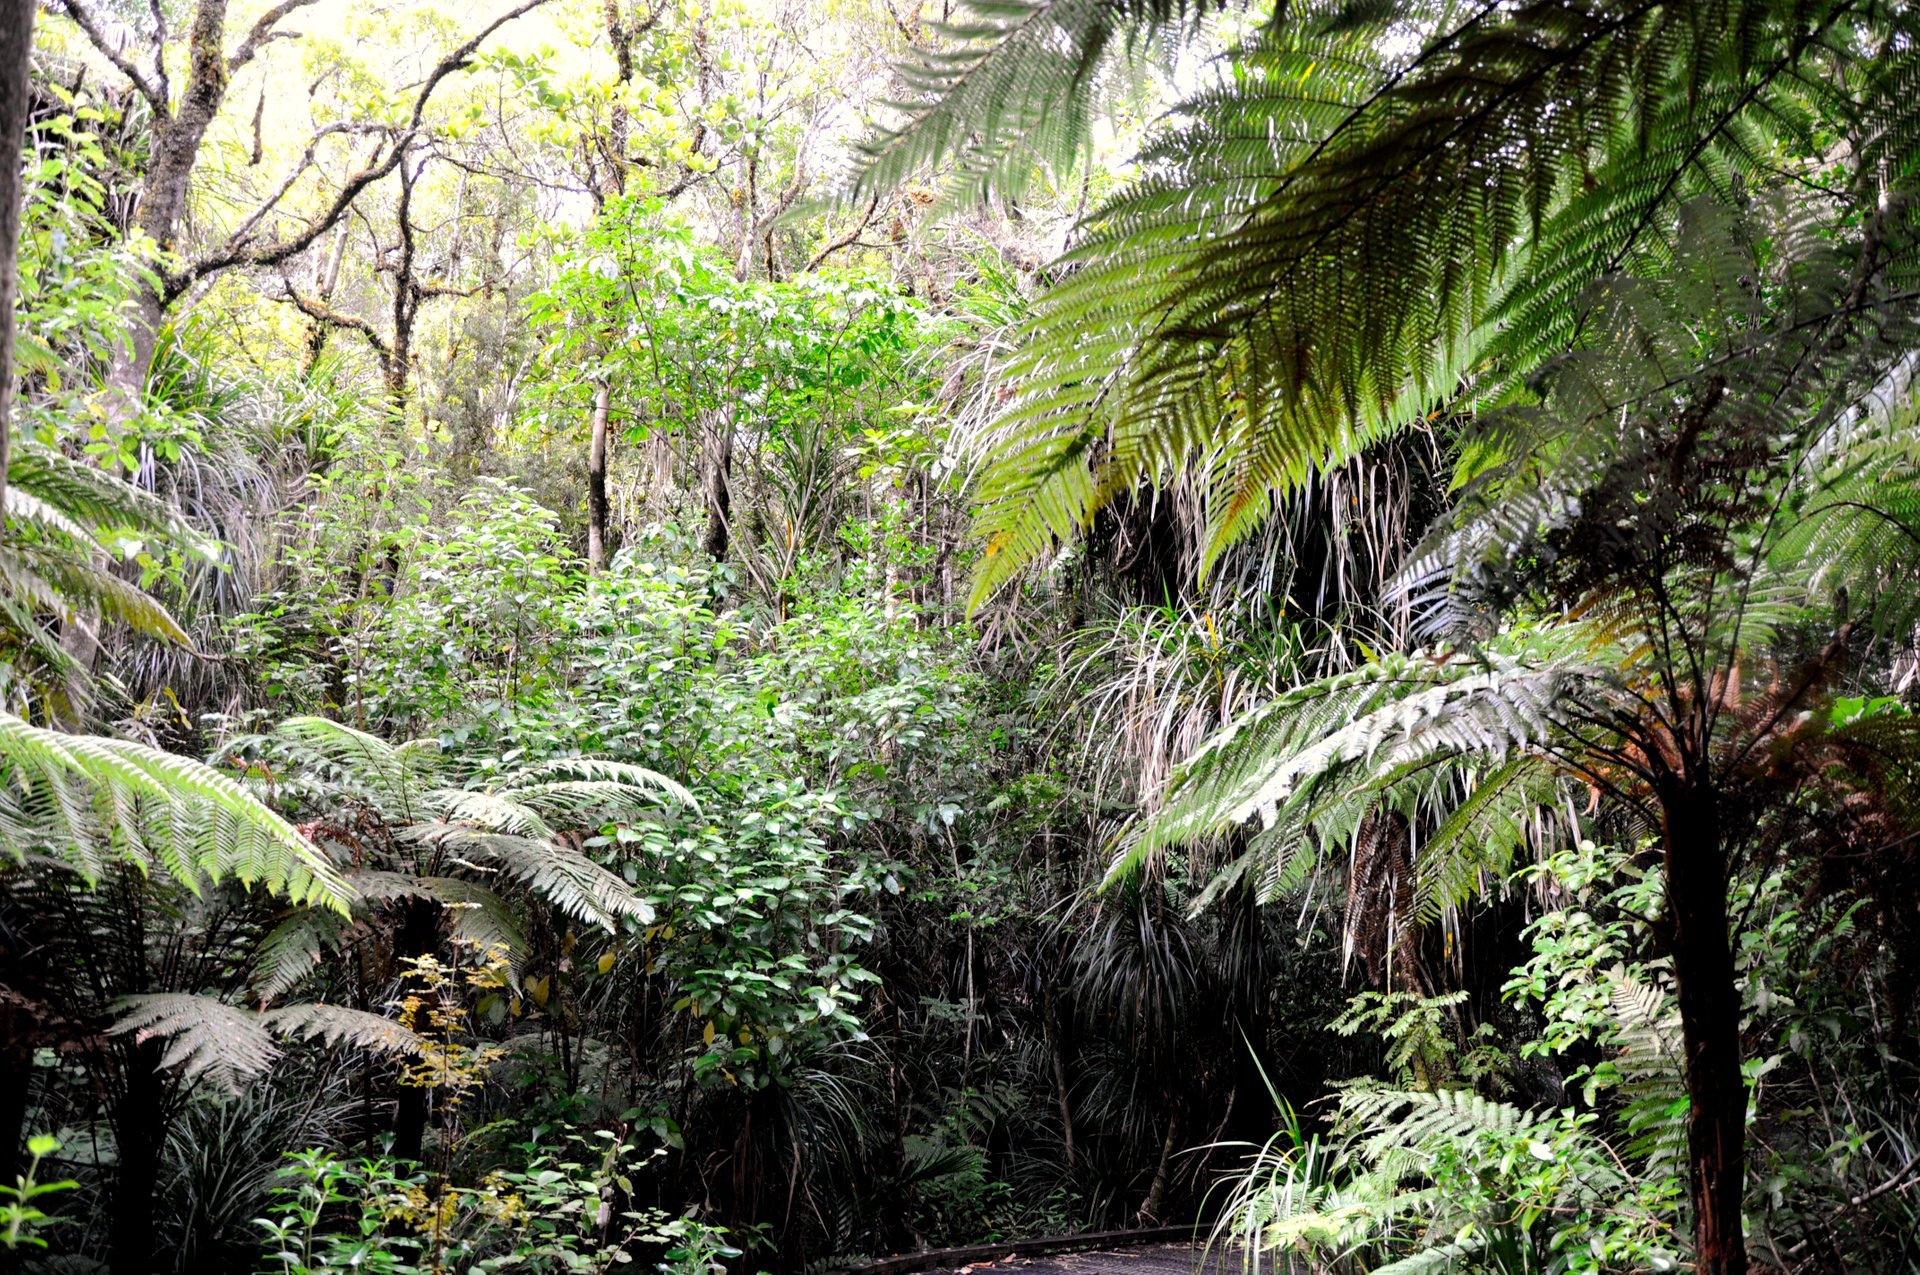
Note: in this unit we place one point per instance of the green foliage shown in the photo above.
(1009, 85)
(1211, 327)
(20, 1215)
(560, 1209)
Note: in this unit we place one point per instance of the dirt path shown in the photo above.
(1157, 1259)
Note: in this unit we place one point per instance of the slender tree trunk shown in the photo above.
(1703, 975)
(173, 149)
(139, 1130)
(1157, 1193)
(16, 49)
(16, 1084)
(419, 935)
(597, 508)
(718, 477)
(1057, 1047)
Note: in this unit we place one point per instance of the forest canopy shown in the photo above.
(752, 635)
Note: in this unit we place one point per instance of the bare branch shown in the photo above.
(321, 312)
(457, 59)
(263, 32)
(89, 23)
(240, 236)
(448, 290)
(236, 252)
(847, 240)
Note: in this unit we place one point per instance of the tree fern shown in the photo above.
(553, 870)
(1006, 84)
(88, 800)
(226, 1045)
(1300, 270)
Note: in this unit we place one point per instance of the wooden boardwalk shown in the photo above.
(1151, 1259)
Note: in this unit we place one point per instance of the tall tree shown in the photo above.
(1621, 601)
(181, 121)
(16, 53)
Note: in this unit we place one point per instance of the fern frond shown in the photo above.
(1296, 276)
(563, 876)
(338, 1025)
(480, 916)
(395, 776)
(293, 949)
(207, 1039)
(1009, 84)
(160, 810)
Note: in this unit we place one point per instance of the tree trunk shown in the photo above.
(16, 48)
(139, 1130)
(1057, 1047)
(419, 935)
(597, 509)
(173, 149)
(1157, 1193)
(1703, 975)
(718, 477)
(16, 1085)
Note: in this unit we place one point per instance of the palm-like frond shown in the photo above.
(226, 1045)
(1334, 240)
(206, 1037)
(294, 948)
(392, 777)
(66, 523)
(87, 800)
(339, 1025)
(567, 878)
(84, 502)
(1009, 83)
(1349, 734)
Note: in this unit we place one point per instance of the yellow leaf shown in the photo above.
(606, 962)
(707, 1036)
(539, 990)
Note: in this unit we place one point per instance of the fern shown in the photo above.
(572, 882)
(87, 800)
(1009, 83)
(206, 1039)
(227, 1046)
(1297, 273)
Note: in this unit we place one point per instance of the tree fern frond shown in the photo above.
(191, 820)
(495, 812)
(339, 1025)
(1295, 274)
(565, 877)
(395, 775)
(207, 1039)
(1394, 713)
(69, 585)
(480, 916)
(599, 770)
(1008, 84)
(293, 949)
(84, 494)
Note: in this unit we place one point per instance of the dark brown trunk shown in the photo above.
(1057, 1047)
(597, 507)
(1157, 1193)
(1703, 975)
(139, 1130)
(718, 477)
(419, 935)
(16, 49)
(16, 1084)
